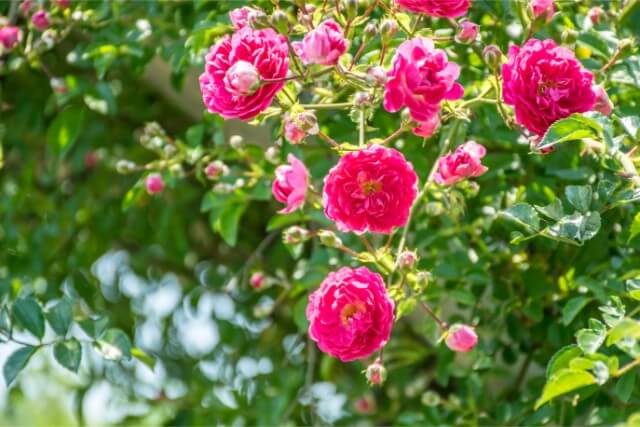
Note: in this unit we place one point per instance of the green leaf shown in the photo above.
(631, 125)
(574, 127)
(68, 353)
(524, 214)
(227, 224)
(633, 288)
(562, 359)
(16, 363)
(624, 386)
(579, 196)
(28, 313)
(576, 227)
(279, 221)
(114, 345)
(65, 130)
(60, 316)
(5, 320)
(590, 340)
(145, 358)
(554, 210)
(573, 307)
(563, 382)
(635, 227)
(626, 328)
(406, 306)
(94, 327)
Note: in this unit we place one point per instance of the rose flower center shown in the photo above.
(350, 310)
(370, 187)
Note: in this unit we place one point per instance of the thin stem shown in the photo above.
(443, 325)
(328, 139)
(415, 25)
(362, 124)
(394, 135)
(333, 106)
(611, 61)
(627, 368)
(367, 245)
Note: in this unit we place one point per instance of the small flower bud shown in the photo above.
(468, 32)
(258, 19)
(603, 104)
(423, 278)
(273, 154)
(125, 166)
(216, 169)
(595, 14)
(376, 373)
(371, 30)
(176, 170)
(352, 8)
(280, 20)
(492, 55)
(461, 338)
(309, 8)
(154, 183)
(361, 99)
(91, 159)
(257, 280)
(309, 122)
(569, 36)
(377, 76)
(294, 235)
(388, 29)
(329, 238)
(236, 142)
(25, 7)
(58, 85)
(407, 260)
(41, 20)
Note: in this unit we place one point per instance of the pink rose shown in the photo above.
(462, 163)
(437, 8)
(324, 45)
(428, 128)
(290, 185)
(10, 36)
(371, 189)
(154, 183)
(41, 20)
(297, 126)
(257, 280)
(461, 338)
(543, 9)
(603, 104)
(240, 17)
(420, 78)
(293, 132)
(545, 83)
(350, 315)
(25, 7)
(226, 87)
(468, 32)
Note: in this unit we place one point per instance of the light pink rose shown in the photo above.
(223, 82)
(242, 79)
(462, 163)
(428, 128)
(603, 104)
(543, 9)
(41, 20)
(323, 45)
(420, 78)
(468, 32)
(10, 36)
(154, 183)
(371, 189)
(461, 338)
(290, 185)
(350, 315)
(544, 83)
(240, 17)
(437, 8)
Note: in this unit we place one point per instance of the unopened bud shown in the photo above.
(423, 278)
(492, 55)
(125, 166)
(58, 85)
(280, 20)
(258, 19)
(272, 154)
(388, 29)
(329, 238)
(376, 76)
(371, 29)
(154, 183)
(468, 32)
(309, 122)
(352, 8)
(216, 169)
(236, 142)
(294, 235)
(361, 99)
(595, 14)
(376, 373)
(257, 280)
(569, 36)
(407, 260)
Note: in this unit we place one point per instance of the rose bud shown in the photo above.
(41, 20)
(154, 183)
(329, 239)
(240, 17)
(216, 169)
(407, 260)
(280, 20)
(257, 280)
(295, 234)
(59, 85)
(377, 76)
(371, 29)
(464, 162)
(290, 185)
(594, 14)
(324, 45)
(376, 373)
(603, 104)
(63, 4)
(543, 9)
(25, 7)
(364, 405)
(10, 36)
(388, 29)
(242, 79)
(492, 55)
(461, 338)
(468, 32)
(258, 19)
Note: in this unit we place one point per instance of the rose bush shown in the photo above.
(319, 212)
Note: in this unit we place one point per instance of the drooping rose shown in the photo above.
(371, 189)
(41, 20)
(226, 86)
(323, 45)
(461, 338)
(350, 315)
(463, 163)
(603, 104)
(437, 8)
(10, 36)
(420, 78)
(240, 17)
(544, 83)
(543, 9)
(468, 32)
(290, 185)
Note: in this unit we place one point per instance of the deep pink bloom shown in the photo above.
(437, 8)
(461, 338)
(543, 9)
(420, 78)
(10, 36)
(290, 185)
(603, 104)
(324, 45)
(240, 17)
(350, 315)
(468, 32)
(154, 183)
(41, 20)
(223, 83)
(371, 189)
(462, 163)
(544, 83)
(257, 280)
(428, 128)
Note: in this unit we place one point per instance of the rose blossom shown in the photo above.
(240, 17)
(468, 32)
(420, 78)
(10, 36)
(293, 132)
(290, 185)
(40, 20)
(543, 9)
(154, 183)
(461, 338)
(232, 65)
(462, 163)
(545, 83)
(371, 189)
(324, 45)
(603, 104)
(350, 315)
(437, 8)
